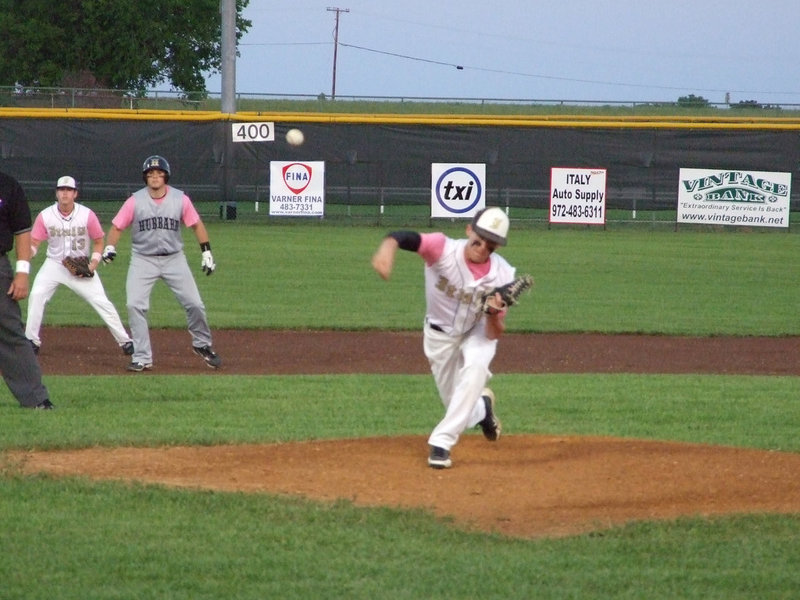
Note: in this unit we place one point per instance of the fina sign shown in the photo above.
(457, 190)
(297, 189)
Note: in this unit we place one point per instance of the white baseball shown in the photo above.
(295, 137)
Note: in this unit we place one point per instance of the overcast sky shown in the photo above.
(578, 50)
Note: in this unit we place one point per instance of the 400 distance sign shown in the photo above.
(253, 132)
(578, 196)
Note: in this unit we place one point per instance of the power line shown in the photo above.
(287, 44)
(461, 67)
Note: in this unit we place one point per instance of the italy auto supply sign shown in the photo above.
(578, 196)
(722, 197)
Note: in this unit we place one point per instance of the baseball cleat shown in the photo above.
(127, 348)
(138, 367)
(208, 355)
(44, 405)
(439, 458)
(490, 425)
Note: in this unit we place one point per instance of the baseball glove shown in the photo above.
(509, 293)
(78, 266)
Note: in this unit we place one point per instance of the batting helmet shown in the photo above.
(155, 162)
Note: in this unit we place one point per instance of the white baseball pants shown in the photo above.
(460, 367)
(52, 274)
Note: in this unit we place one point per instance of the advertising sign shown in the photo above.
(578, 196)
(297, 189)
(724, 197)
(457, 190)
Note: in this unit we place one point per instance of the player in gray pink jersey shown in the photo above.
(155, 214)
(459, 339)
(70, 229)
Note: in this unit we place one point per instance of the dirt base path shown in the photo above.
(527, 486)
(71, 350)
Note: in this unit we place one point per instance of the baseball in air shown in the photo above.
(295, 137)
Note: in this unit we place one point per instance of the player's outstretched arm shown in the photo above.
(383, 259)
(113, 236)
(110, 251)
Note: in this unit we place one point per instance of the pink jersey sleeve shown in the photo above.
(39, 231)
(190, 216)
(124, 217)
(93, 226)
(431, 247)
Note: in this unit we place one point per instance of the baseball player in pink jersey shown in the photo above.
(459, 339)
(70, 229)
(154, 214)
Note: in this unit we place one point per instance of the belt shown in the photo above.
(435, 327)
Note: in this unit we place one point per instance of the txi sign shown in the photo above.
(457, 190)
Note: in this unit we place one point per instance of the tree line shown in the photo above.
(113, 44)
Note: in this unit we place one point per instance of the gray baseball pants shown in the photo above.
(173, 270)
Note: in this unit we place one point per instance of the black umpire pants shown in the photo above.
(18, 363)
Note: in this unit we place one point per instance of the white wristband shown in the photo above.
(96, 256)
(23, 266)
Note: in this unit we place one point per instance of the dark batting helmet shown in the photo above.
(155, 162)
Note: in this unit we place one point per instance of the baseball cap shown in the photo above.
(491, 224)
(66, 182)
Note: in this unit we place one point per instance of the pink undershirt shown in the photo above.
(93, 227)
(124, 217)
(432, 246)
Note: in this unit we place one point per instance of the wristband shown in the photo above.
(23, 266)
(205, 246)
(96, 256)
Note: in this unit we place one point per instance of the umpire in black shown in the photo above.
(18, 363)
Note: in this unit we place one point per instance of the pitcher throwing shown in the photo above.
(461, 329)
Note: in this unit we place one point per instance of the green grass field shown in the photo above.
(73, 538)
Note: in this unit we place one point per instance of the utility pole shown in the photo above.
(335, 45)
(228, 49)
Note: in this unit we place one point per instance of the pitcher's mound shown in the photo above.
(526, 486)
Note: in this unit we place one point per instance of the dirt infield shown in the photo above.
(522, 485)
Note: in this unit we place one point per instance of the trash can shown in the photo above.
(227, 211)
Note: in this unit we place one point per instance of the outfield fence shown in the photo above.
(378, 168)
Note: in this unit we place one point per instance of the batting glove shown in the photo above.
(109, 254)
(208, 262)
